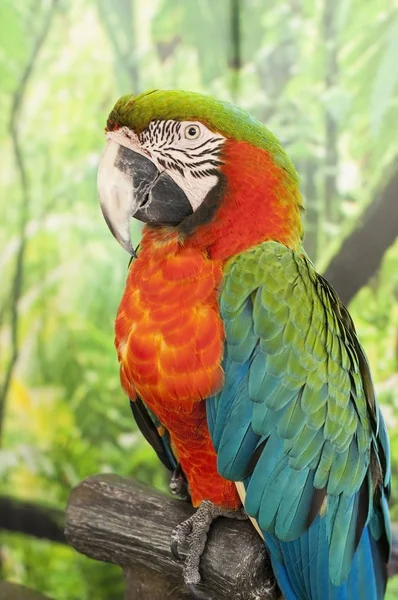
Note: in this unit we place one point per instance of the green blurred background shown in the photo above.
(322, 75)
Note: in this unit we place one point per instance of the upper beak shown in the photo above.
(117, 173)
(130, 184)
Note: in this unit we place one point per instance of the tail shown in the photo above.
(301, 567)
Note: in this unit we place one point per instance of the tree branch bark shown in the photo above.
(118, 520)
(361, 253)
(32, 519)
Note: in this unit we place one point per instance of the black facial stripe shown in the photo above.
(161, 146)
(201, 163)
(168, 129)
(188, 153)
(212, 156)
(197, 169)
(171, 165)
(172, 158)
(172, 149)
(175, 127)
(215, 139)
(204, 173)
(194, 168)
(214, 151)
(162, 125)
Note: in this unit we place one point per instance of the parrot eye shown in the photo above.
(192, 132)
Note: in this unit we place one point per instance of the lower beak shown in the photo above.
(130, 184)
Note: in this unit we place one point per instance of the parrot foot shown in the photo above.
(194, 532)
(178, 484)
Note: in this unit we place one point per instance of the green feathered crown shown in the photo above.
(225, 118)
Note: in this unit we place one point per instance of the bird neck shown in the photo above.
(261, 202)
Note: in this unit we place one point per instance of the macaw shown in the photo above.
(242, 365)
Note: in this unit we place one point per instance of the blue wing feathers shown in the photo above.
(221, 405)
(292, 515)
(235, 452)
(306, 563)
(342, 541)
(265, 419)
(271, 459)
(302, 568)
(292, 556)
(270, 499)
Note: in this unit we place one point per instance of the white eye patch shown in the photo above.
(187, 150)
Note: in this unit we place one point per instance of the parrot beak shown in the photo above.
(130, 184)
(116, 195)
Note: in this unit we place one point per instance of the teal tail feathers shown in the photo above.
(301, 567)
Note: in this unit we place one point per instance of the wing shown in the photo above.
(297, 420)
(153, 432)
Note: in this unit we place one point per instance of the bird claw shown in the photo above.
(181, 534)
(194, 532)
(178, 484)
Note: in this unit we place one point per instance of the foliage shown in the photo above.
(322, 78)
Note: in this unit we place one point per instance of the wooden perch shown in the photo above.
(118, 520)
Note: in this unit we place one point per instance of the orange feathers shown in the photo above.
(169, 337)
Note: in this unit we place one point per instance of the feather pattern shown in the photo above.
(299, 394)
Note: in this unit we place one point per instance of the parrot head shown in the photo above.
(203, 167)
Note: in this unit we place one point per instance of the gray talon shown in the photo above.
(194, 532)
(178, 484)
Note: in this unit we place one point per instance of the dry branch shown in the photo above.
(118, 520)
(361, 253)
(33, 519)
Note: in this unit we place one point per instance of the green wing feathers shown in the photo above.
(307, 360)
